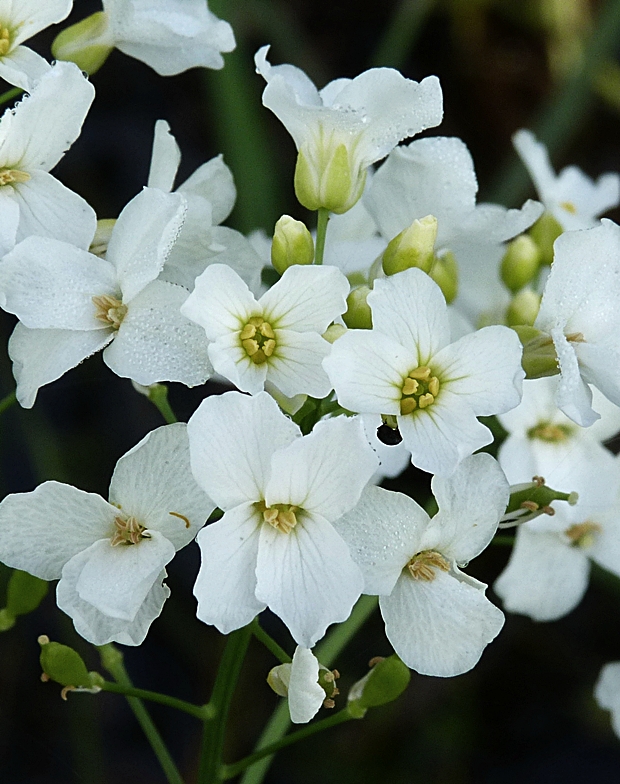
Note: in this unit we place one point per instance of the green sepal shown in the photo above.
(358, 314)
(539, 355)
(445, 273)
(545, 232)
(385, 682)
(520, 263)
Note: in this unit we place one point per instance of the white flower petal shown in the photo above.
(574, 396)
(600, 366)
(165, 158)
(231, 360)
(32, 16)
(305, 696)
(607, 692)
(226, 583)
(23, 68)
(214, 182)
(295, 367)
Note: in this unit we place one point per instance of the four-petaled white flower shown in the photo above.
(33, 138)
(19, 21)
(407, 369)
(436, 617)
(276, 339)
(72, 303)
(345, 127)
(579, 311)
(276, 546)
(574, 200)
(110, 556)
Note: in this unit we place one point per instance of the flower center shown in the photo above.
(552, 434)
(422, 566)
(280, 516)
(110, 310)
(5, 40)
(9, 176)
(258, 339)
(583, 534)
(419, 390)
(128, 531)
(569, 207)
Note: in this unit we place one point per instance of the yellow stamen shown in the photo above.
(128, 531)
(258, 340)
(419, 390)
(583, 534)
(553, 434)
(110, 310)
(423, 373)
(423, 565)
(181, 517)
(280, 516)
(5, 41)
(569, 207)
(9, 176)
(426, 400)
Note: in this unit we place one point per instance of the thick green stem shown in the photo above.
(158, 395)
(326, 652)
(321, 233)
(269, 642)
(199, 711)
(7, 402)
(9, 94)
(219, 705)
(229, 771)
(112, 660)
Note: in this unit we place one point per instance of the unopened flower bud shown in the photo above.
(385, 682)
(333, 332)
(445, 273)
(327, 177)
(520, 263)
(279, 678)
(524, 308)
(545, 232)
(292, 244)
(539, 356)
(358, 314)
(65, 666)
(103, 234)
(413, 247)
(87, 43)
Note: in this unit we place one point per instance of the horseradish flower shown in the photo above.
(110, 556)
(299, 683)
(33, 138)
(406, 369)
(71, 303)
(436, 617)
(275, 339)
(210, 195)
(579, 312)
(276, 546)
(574, 200)
(19, 21)
(345, 127)
(170, 36)
(607, 692)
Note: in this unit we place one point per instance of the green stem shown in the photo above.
(229, 771)
(12, 93)
(326, 652)
(158, 395)
(7, 402)
(503, 541)
(112, 660)
(269, 642)
(199, 711)
(321, 233)
(219, 705)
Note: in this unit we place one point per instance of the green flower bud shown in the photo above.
(65, 666)
(445, 273)
(101, 240)
(87, 43)
(279, 678)
(385, 682)
(545, 232)
(520, 263)
(358, 315)
(328, 178)
(539, 357)
(333, 332)
(292, 244)
(413, 247)
(524, 308)
(24, 594)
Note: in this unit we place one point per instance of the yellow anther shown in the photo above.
(407, 405)
(247, 332)
(419, 390)
(5, 40)
(425, 400)
(433, 386)
(9, 176)
(583, 534)
(423, 565)
(576, 337)
(410, 386)
(266, 331)
(569, 207)
(269, 347)
(553, 434)
(181, 517)
(281, 516)
(128, 531)
(251, 347)
(422, 373)
(110, 310)
(258, 339)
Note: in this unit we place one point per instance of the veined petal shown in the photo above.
(40, 356)
(116, 580)
(226, 583)
(23, 67)
(306, 299)
(367, 368)
(42, 530)
(600, 365)
(307, 577)
(153, 483)
(32, 16)
(232, 361)
(243, 432)
(411, 310)
(295, 367)
(305, 696)
(440, 627)
(165, 158)
(324, 472)
(383, 531)
(574, 396)
(155, 342)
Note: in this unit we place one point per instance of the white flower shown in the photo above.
(275, 339)
(110, 556)
(33, 138)
(299, 683)
(210, 194)
(406, 367)
(276, 546)
(574, 200)
(19, 21)
(579, 310)
(607, 692)
(436, 617)
(345, 127)
(435, 176)
(71, 303)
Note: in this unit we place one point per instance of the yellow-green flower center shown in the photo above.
(110, 310)
(128, 531)
(258, 339)
(419, 390)
(280, 516)
(583, 534)
(423, 565)
(5, 40)
(552, 434)
(9, 176)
